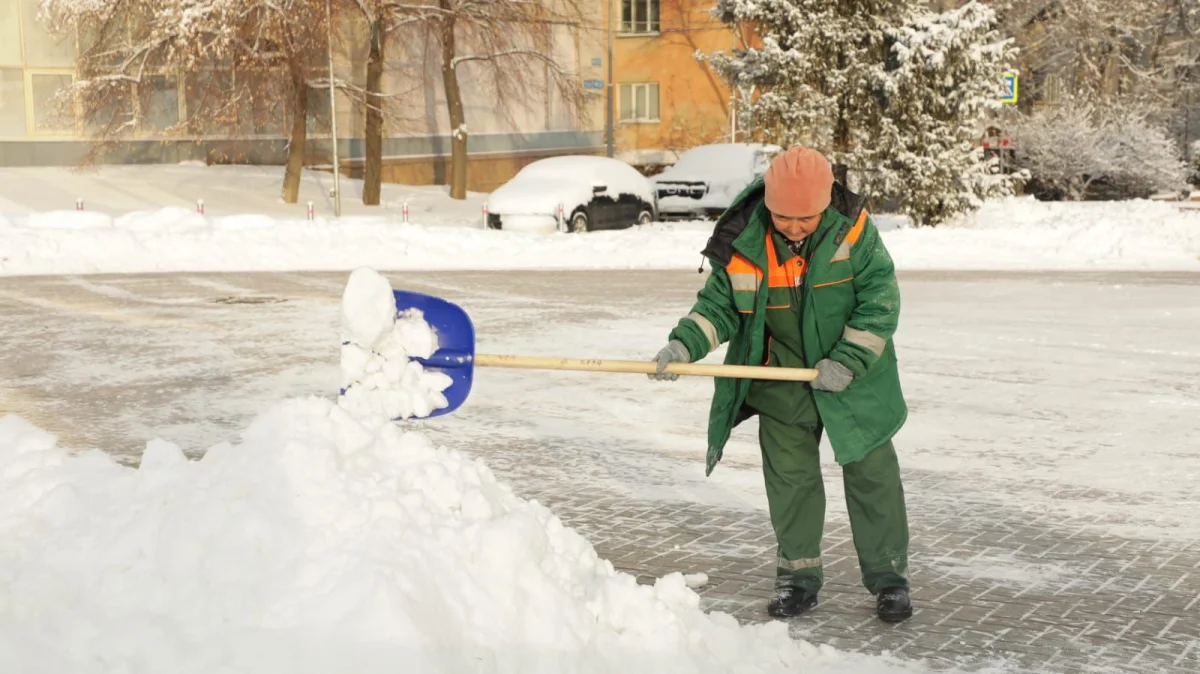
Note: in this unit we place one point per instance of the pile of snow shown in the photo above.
(1022, 233)
(328, 540)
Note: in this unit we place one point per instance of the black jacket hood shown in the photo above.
(735, 219)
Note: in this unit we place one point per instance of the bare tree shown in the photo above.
(1128, 49)
(379, 21)
(506, 46)
(237, 59)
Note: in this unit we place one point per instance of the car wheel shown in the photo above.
(645, 217)
(579, 222)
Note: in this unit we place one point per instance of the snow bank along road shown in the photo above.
(1050, 459)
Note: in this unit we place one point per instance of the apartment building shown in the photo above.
(35, 65)
(666, 100)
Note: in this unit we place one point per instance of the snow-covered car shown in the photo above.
(573, 194)
(706, 179)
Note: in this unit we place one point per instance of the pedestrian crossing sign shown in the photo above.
(1008, 89)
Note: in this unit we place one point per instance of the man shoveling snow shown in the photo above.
(830, 302)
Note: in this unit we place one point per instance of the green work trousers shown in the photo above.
(789, 435)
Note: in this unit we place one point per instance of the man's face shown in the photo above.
(796, 228)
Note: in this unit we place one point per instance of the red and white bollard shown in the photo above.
(311, 215)
(200, 206)
(485, 218)
(561, 218)
(79, 204)
(404, 213)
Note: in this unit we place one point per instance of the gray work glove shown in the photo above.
(832, 376)
(673, 352)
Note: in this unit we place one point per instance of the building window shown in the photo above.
(159, 102)
(639, 16)
(212, 101)
(1052, 90)
(43, 49)
(10, 35)
(50, 116)
(12, 103)
(639, 102)
(260, 100)
(318, 111)
(114, 115)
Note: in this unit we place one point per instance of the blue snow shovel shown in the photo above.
(457, 359)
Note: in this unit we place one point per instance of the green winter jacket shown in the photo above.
(850, 308)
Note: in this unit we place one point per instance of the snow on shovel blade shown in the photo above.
(455, 356)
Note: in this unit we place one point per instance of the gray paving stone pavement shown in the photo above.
(1128, 606)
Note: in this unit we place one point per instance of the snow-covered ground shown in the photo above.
(225, 190)
(139, 219)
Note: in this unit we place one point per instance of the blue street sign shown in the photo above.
(593, 84)
(1008, 90)
(596, 60)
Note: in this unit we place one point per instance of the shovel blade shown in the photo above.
(455, 356)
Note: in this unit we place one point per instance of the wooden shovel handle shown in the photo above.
(644, 367)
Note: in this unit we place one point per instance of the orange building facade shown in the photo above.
(665, 99)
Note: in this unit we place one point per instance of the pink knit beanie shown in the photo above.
(799, 183)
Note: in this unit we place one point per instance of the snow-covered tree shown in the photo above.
(942, 82)
(815, 71)
(1062, 148)
(1068, 149)
(1145, 156)
(887, 90)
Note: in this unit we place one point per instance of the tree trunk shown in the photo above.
(458, 128)
(841, 143)
(299, 137)
(373, 175)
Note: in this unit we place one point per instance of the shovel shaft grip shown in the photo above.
(642, 367)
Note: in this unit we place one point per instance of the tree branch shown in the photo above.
(459, 60)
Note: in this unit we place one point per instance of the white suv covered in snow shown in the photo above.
(707, 178)
(572, 194)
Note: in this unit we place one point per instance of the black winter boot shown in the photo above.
(790, 601)
(893, 605)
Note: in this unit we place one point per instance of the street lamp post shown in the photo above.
(337, 182)
(608, 132)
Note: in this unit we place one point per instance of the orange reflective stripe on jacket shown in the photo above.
(745, 276)
(843, 252)
(787, 275)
